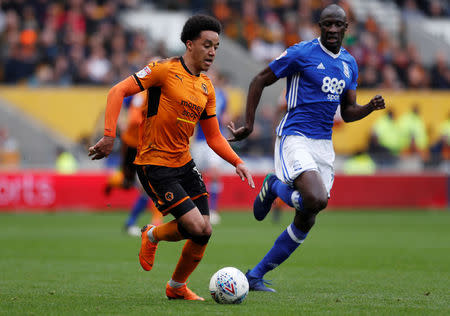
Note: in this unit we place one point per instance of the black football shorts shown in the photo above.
(175, 190)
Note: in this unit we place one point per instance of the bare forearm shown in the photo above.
(351, 111)
(263, 79)
(254, 95)
(356, 112)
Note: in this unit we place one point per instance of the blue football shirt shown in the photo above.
(221, 106)
(316, 80)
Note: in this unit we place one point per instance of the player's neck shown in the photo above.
(190, 65)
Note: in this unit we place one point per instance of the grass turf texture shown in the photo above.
(353, 263)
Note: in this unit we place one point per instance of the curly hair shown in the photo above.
(198, 23)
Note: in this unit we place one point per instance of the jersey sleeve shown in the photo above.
(210, 108)
(289, 62)
(354, 82)
(152, 75)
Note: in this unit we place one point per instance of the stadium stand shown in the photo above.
(70, 43)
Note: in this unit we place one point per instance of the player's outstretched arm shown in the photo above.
(114, 102)
(265, 78)
(221, 147)
(351, 111)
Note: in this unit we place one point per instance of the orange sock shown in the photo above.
(157, 217)
(168, 232)
(190, 258)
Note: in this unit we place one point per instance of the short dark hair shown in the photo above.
(198, 23)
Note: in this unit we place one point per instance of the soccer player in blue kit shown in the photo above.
(320, 76)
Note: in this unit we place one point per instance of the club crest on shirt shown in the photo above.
(205, 88)
(169, 196)
(144, 72)
(346, 70)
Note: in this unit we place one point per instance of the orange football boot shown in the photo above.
(148, 249)
(181, 293)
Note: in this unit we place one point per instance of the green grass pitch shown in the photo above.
(352, 263)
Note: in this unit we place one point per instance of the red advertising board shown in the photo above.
(46, 190)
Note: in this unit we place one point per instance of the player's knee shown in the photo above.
(315, 203)
(201, 240)
(200, 229)
(207, 231)
(203, 236)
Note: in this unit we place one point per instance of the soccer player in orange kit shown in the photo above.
(178, 97)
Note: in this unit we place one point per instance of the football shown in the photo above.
(228, 286)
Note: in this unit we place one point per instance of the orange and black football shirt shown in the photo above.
(176, 100)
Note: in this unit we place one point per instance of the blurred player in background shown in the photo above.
(205, 158)
(320, 76)
(178, 97)
(127, 174)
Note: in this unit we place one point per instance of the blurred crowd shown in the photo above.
(56, 42)
(266, 28)
(83, 42)
(47, 42)
(394, 138)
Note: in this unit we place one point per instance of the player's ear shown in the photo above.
(189, 44)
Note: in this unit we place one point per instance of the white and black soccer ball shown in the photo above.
(228, 286)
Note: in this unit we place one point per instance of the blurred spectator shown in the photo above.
(48, 44)
(436, 8)
(307, 30)
(390, 80)
(236, 97)
(413, 138)
(440, 72)
(65, 161)
(42, 76)
(291, 32)
(98, 66)
(440, 150)
(360, 163)
(221, 10)
(384, 144)
(9, 150)
(410, 9)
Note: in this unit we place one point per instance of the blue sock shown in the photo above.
(137, 209)
(289, 196)
(214, 195)
(285, 244)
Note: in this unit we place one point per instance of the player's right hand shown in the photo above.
(102, 149)
(243, 172)
(239, 133)
(377, 103)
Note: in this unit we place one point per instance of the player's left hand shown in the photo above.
(377, 103)
(102, 149)
(243, 172)
(239, 133)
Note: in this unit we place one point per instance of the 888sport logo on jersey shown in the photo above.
(334, 87)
